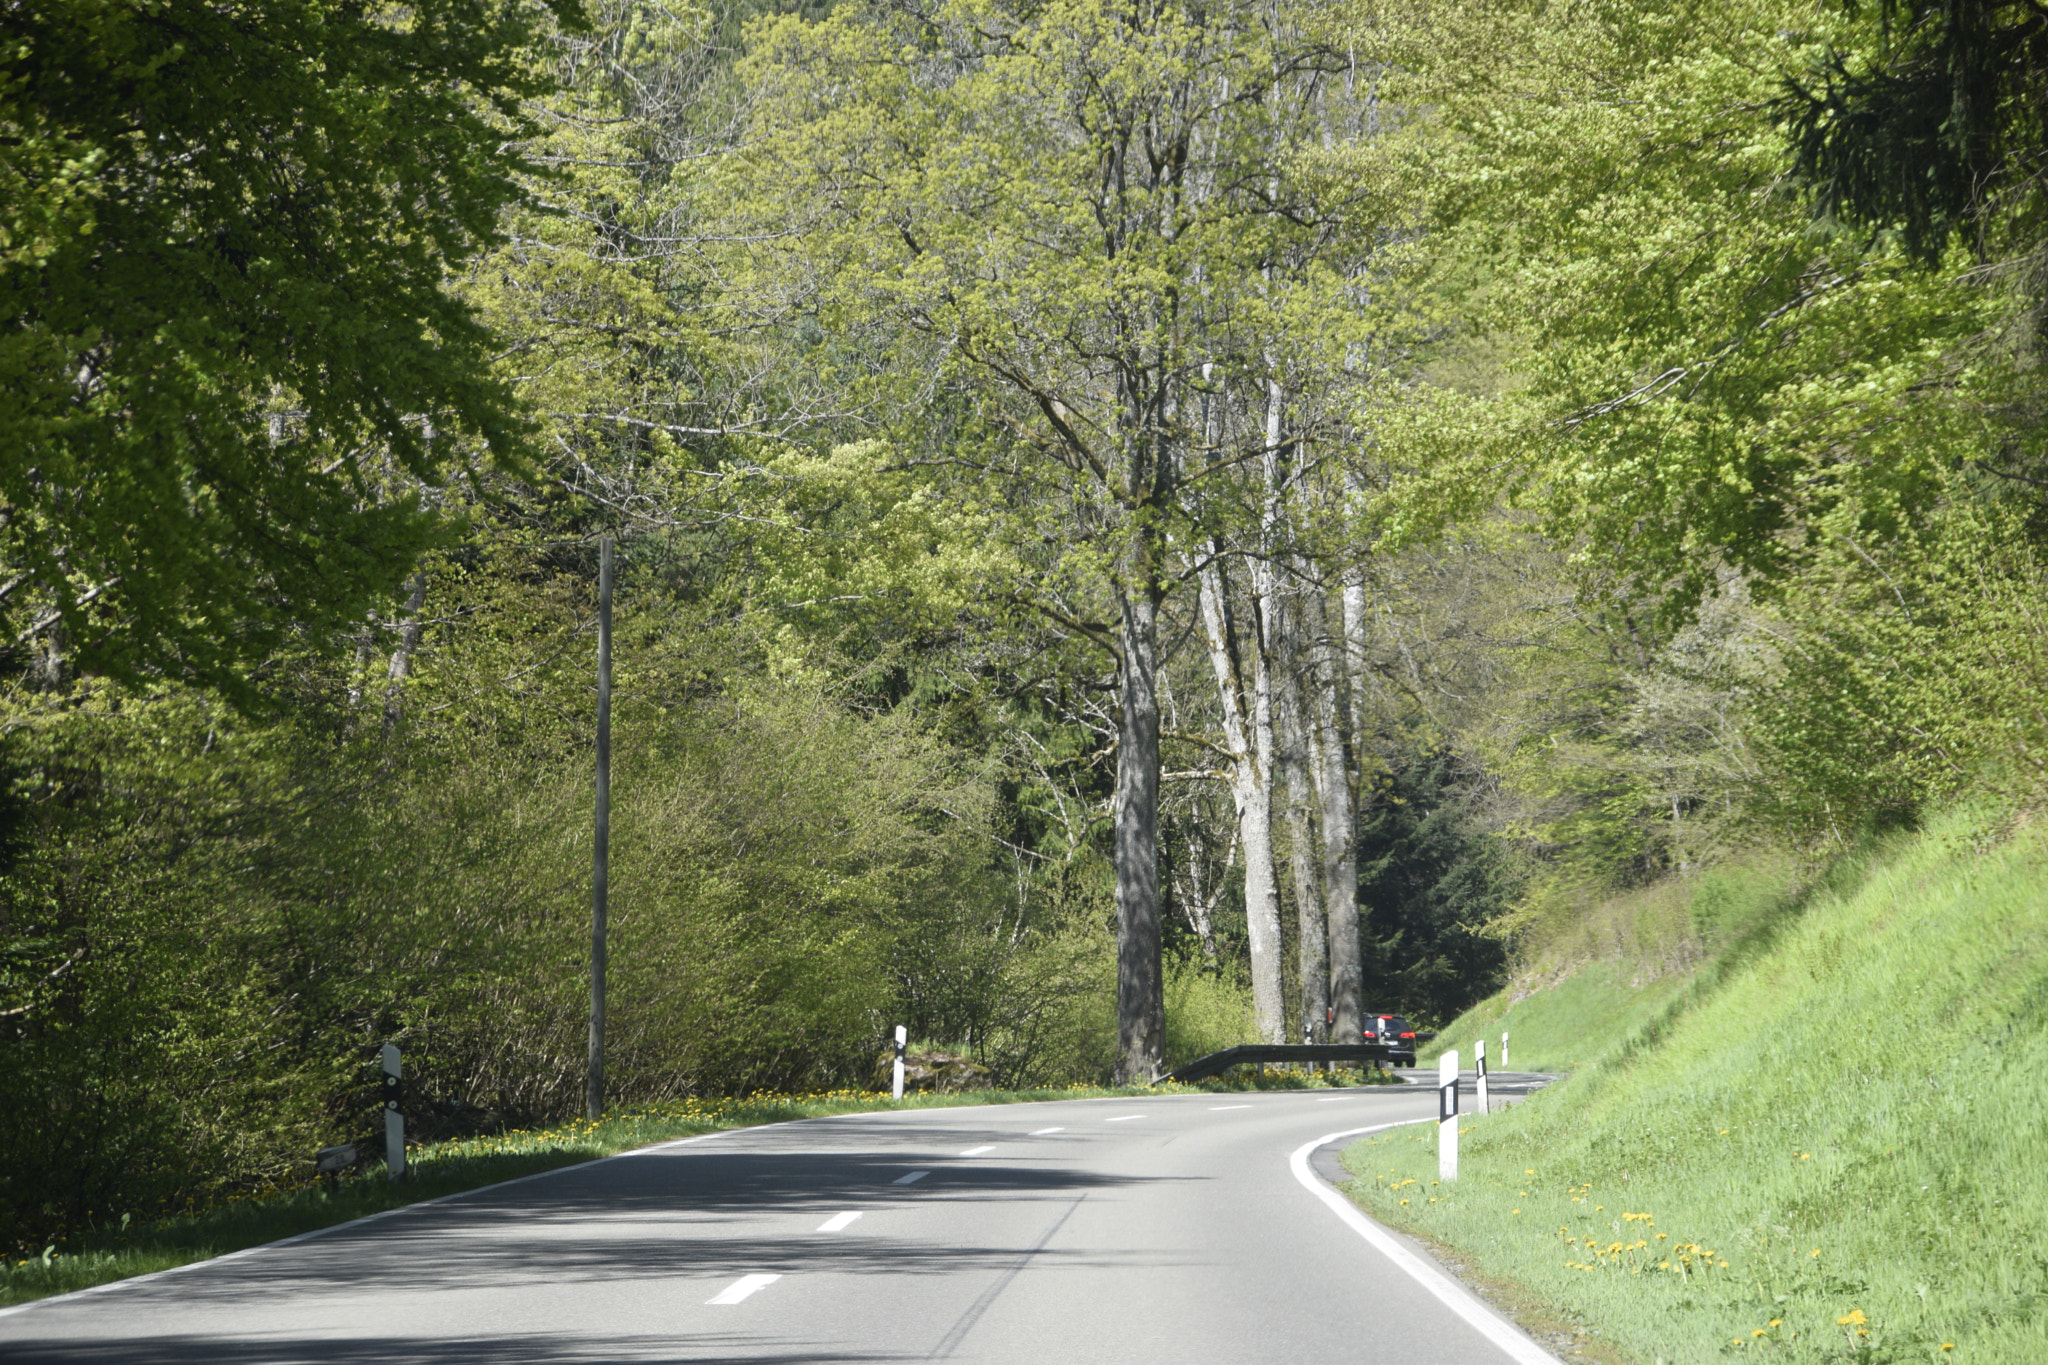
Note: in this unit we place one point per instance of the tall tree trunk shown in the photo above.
(1248, 735)
(1310, 949)
(401, 657)
(1333, 779)
(1140, 994)
(1357, 631)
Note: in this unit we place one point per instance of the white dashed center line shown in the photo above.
(911, 1179)
(1043, 1131)
(1214, 1107)
(837, 1221)
(1124, 1118)
(977, 1151)
(1332, 1099)
(742, 1287)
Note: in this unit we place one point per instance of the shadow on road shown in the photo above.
(657, 1218)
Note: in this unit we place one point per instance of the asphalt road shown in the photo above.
(1184, 1229)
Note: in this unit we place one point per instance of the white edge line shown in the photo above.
(1043, 1131)
(1454, 1296)
(1216, 1108)
(978, 1151)
(1124, 1118)
(134, 1280)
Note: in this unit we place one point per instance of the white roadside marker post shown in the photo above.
(1479, 1060)
(394, 1121)
(896, 1083)
(1503, 1049)
(1447, 1116)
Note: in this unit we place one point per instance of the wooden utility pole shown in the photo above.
(600, 871)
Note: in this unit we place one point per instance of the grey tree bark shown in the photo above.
(1140, 994)
(401, 657)
(1248, 737)
(1339, 841)
(1311, 952)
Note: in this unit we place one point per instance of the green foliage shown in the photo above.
(215, 923)
(1206, 1011)
(230, 350)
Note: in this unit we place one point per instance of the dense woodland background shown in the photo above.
(1431, 467)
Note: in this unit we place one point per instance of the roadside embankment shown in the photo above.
(1822, 1141)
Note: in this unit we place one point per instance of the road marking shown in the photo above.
(1453, 1295)
(743, 1286)
(1043, 1131)
(1332, 1099)
(910, 1179)
(837, 1221)
(977, 1151)
(1124, 1118)
(1216, 1107)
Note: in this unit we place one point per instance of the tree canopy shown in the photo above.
(233, 363)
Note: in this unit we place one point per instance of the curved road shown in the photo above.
(1186, 1229)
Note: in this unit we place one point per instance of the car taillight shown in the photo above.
(1407, 1035)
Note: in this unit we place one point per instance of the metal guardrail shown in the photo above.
(1216, 1063)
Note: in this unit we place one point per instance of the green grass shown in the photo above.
(441, 1169)
(1826, 1145)
(1580, 1017)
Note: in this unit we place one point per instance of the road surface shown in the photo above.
(1184, 1229)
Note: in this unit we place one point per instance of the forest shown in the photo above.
(1140, 524)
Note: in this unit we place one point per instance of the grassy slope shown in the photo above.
(1840, 1115)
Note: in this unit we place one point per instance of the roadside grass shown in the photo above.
(1581, 1017)
(1827, 1145)
(114, 1252)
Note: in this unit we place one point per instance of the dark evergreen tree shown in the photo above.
(1428, 879)
(1939, 129)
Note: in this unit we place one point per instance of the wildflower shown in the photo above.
(1948, 1346)
(1759, 1332)
(1853, 1318)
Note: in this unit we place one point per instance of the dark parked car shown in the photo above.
(1396, 1033)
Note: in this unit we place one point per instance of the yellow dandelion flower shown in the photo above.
(1853, 1318)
